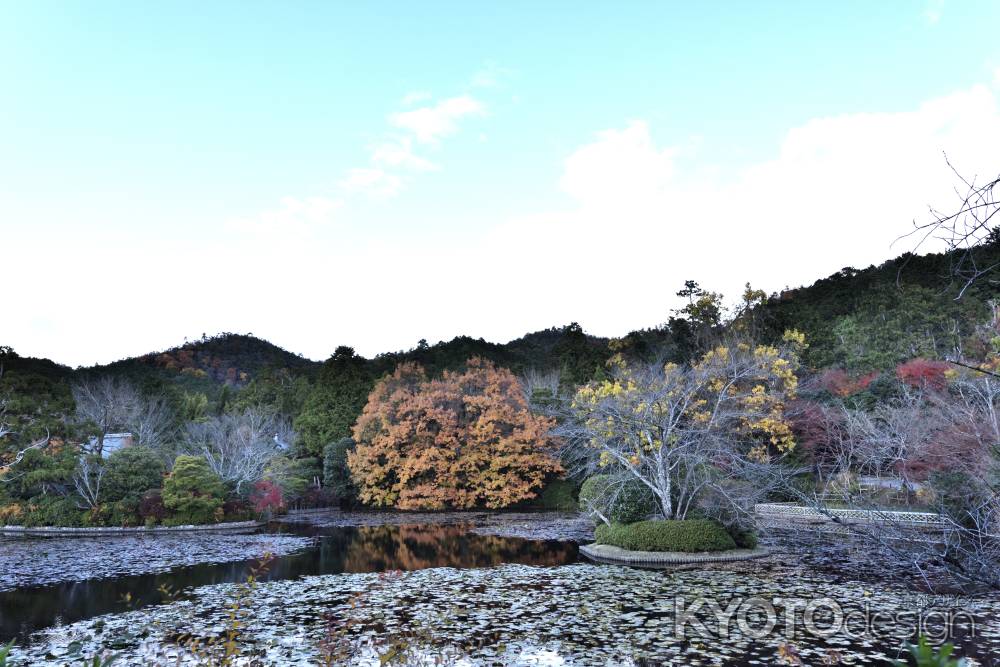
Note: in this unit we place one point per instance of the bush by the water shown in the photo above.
(45, 511)
(193, 493)
(689, 536)
(620, 501)
(129, 473)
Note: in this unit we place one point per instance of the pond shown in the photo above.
(330, 550)
(443, 594)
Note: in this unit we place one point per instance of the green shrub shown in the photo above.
(192, 493)
(559, 494)
(52, 511)
(882, 389)
(620, 501)
(130, 472)
(590, 493)
(688, 536)
(803, 484)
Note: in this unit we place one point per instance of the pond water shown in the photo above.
(457, 597)
(333, 551)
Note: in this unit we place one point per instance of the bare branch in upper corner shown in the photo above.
(966, 229)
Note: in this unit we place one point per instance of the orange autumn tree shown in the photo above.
(465, 440)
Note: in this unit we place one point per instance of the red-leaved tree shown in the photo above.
(266, 497)
(923, 373)
(839, 383)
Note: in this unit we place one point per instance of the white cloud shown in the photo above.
(373, 182)
(834, 191)
(399, 153)
(837, 192)
(294, 217)
(429, 124)
(620, 165)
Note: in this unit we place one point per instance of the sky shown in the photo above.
(372, 174)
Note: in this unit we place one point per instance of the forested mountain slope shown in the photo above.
(873, 318)
(859, 320)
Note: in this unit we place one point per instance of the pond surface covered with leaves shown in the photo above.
(439, 594)
(47, 581)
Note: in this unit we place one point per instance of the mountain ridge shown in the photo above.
(914, 286)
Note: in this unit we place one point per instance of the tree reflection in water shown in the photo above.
(381, 548)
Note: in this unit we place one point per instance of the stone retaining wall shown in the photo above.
(605, 553)
(50, 531)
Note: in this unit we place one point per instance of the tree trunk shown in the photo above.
(665, 500)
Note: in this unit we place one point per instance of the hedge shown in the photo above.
(689, 536)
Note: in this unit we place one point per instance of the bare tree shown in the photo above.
(887, 440)
(109, 403)
(153, 422)
(116, 404)
(966, 228)
(946, 439)
(87, 481)
(239, 447)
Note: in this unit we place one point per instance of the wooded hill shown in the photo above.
(857, 319)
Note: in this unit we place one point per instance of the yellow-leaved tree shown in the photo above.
(683, 430)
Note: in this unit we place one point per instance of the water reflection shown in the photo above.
(337, 550)
(380, 548)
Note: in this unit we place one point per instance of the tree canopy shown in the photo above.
(465, 440)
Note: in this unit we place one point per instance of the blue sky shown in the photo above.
(376, 173)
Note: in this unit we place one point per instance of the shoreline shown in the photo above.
(111, 531)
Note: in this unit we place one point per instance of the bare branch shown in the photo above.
(968, 227)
